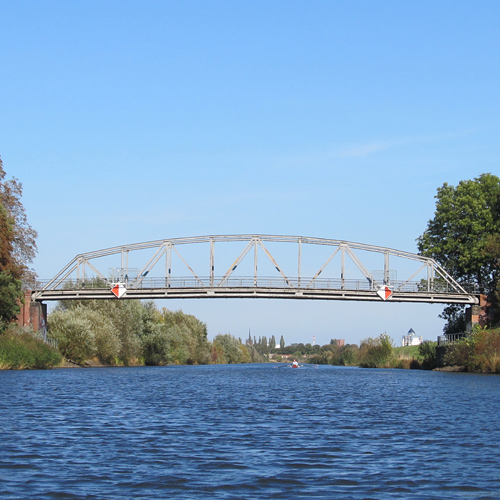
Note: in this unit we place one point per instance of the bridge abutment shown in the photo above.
(476, 314)
(33, 314)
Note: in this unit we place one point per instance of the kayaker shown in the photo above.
(295, 364)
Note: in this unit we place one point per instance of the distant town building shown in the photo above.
(411, 338)
(337, 342)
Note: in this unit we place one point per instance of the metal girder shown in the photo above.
(439, 285)
(257, 292)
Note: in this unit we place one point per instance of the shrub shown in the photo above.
(156, 347)
(487, 350)
(462, 353)
(428, 352)
(74, 335)
(415, 364)
(376, 353)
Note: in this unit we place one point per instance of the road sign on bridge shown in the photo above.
(254, 266)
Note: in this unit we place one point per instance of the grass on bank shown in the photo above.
(22, 350)
(407, 357)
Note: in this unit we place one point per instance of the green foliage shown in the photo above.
(479, 352)
(461, 353)
(227, 349)
(17, 248)
(427, 351)
(376, 353)
(272, 343)
(188, 337)
(22, 350)
(17, 237)
(333, 354)
(407, 351)
(156, 347)
(348, 355)
(487, 350)
(74, 334)
(492, 252)
(459, 237)
(301, 349)
(406, 357)
(11, 296)
(128, 332)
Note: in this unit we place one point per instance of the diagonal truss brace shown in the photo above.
(236, 263)
(360, 266)
(278, 268)
(323, 267)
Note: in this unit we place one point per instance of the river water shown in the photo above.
(248, 431)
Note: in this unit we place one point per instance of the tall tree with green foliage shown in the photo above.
(17, 248)
(272, 343)
(459, 237)
(17, 237)
(229, 350)
(492, 251)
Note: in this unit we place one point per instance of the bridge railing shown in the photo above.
(246, 282)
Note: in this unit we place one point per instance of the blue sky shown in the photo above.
(131, 121)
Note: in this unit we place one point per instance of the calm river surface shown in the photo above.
(248, 431)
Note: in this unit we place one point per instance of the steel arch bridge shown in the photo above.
(254, 266)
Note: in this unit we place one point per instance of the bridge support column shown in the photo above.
(476, 315)
(33, 314)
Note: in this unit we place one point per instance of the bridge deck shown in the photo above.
(292, 288)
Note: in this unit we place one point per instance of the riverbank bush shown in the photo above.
(333, 354)
(226, 349)
(21, 349)
(479, 352)
(428, 352)
(376, 353)
(134, 332)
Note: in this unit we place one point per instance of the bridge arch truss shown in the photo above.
(294, 267)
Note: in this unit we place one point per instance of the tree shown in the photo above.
(17, 237)
(428, 352)
(272, 343)
(17, 248)
(282, 342)
(74, 334)
(466, 219)
(227, 349)
(492, 251)
(10, 296)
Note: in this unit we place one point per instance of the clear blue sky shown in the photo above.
(131, 121)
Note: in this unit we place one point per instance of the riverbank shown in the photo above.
(21, 350)
(94, 363)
